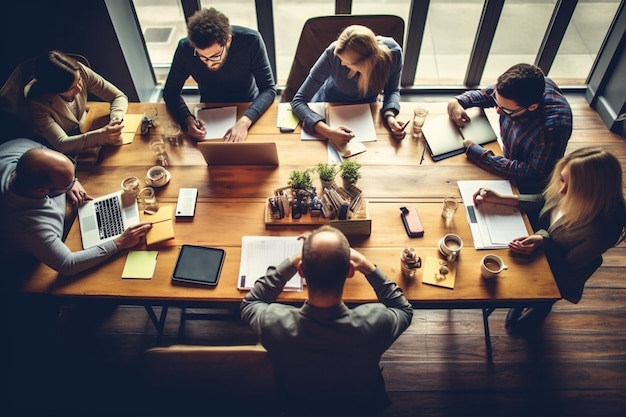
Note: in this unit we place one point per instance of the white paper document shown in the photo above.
(259, 252)
(319, 108)
(356, 117)
(217, 120)
(493, 226)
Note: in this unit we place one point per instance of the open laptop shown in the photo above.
(105, 218)
(238, 153)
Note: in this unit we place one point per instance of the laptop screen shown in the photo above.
(239, 153)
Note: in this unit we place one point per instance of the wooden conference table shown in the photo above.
(231, 203)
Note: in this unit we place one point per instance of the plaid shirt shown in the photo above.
(533, 141)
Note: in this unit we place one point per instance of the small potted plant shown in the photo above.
(327, 173)
(302, 187)
(350, 173)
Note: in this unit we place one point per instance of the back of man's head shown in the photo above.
(523, 83)
(208, 26)
(326, 260)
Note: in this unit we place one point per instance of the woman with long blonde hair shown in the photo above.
(355, 68)
(582, 214)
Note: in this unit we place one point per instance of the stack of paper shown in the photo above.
(259, 252)
(493, 226)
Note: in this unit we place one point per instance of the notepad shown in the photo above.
(286, 119)
(217, 120)
(162, 225)
(356, 117)
(140, 264)
(131, 123)
(445, 138)
(259, 252)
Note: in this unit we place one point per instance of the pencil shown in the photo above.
(405, 125)
(423, 154)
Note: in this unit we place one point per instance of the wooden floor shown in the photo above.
(85, 361)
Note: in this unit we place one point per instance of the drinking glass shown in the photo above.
(147, 200)
(450, 204)
(172, 134)
(419, 117)
(157, 146)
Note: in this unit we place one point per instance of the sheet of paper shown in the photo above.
(356, 117)
(217, 120)
(492, 227)
(140, 264)
(319, 108)
(286, 119)
(259, 252)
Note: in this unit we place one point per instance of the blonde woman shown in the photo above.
(582, 214)
(355, 68)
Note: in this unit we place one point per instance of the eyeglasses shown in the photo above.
(214, 58)
(504, 110)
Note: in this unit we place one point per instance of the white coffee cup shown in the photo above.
(491, 266)
(450, 246)
(157, 176)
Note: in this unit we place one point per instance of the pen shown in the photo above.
(405, 125)
(423, 154)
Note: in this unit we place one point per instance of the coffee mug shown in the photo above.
(491, 266)
(450, 245)
(157, 176)
(130, 186)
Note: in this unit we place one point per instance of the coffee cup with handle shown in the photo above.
(450, 246)
(491, 266)
(157, 176)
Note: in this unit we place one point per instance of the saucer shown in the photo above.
(168, 176)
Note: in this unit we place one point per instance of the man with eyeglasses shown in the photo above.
(35, 183)
(535, 125)
(229, 64)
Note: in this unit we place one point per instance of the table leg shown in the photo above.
(159, 323)
(486, 313)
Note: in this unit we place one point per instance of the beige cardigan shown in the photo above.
(55, 122)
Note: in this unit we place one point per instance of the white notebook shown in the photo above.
(259, 252)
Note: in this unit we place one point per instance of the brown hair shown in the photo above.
(208, 26)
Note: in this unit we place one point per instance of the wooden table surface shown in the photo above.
(231, 203)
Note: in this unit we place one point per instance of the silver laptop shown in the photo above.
(105, 218)
(239, 153)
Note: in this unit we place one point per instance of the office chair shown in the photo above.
(13, 104)
(319, 32)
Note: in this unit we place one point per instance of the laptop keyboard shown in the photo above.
(109, 217)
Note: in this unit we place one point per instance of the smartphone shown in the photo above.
(412, 222)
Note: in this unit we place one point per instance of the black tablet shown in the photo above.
(199, 265)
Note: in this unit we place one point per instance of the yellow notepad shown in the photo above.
(162, 225)
(432, 272)
(131, 123)
(140, 264)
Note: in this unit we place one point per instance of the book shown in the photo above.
(445, 138)
(162, 225)
(259, 252)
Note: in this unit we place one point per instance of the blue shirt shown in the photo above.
(532, 142)
(246, 76)
(328, 82)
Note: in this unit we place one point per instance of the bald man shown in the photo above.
(326, 354)
(35, 183)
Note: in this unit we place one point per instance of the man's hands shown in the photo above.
(77, 194)
(457, 113)
(361, 263)
(239, 132)
(195, 128)
(133, 235)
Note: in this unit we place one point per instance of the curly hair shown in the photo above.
(208, 26)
